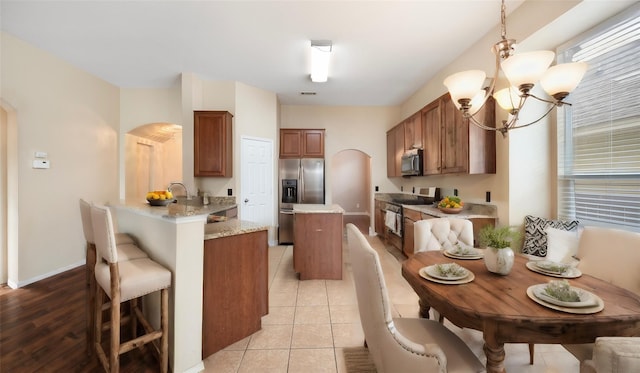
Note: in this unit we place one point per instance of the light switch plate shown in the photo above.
(40, 154)
(41, 163)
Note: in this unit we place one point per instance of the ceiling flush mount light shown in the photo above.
(523, 71)
(320, 52)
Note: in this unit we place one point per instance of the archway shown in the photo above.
(351, 187)
(9, 195)
(153, 158)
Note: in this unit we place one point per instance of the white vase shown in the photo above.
(499, 261)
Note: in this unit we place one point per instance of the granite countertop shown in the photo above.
(317, 209)
(231, 227)
(175, 211)
(470, 211)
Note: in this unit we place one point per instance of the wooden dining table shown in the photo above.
(500, 308)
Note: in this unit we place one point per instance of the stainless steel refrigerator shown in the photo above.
(301, 181)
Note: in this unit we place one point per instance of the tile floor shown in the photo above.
(310, 322)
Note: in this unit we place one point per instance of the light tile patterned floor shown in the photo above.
(310, 322)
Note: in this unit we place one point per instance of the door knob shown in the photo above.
(246, 200)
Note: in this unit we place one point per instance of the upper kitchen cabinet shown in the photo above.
(455, 146)
(301, 143)
(413, 132)
(213, 143)
(431, 132)
(395, 150)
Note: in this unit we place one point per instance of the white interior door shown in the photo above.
(256, 189)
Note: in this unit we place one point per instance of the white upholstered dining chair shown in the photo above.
(613, 355)
(401, 344)
(439, 233)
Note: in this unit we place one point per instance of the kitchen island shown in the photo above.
(175, 237)
(317, 241)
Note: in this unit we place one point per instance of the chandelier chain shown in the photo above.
(503, 21)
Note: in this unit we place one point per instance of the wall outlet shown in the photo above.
(357, 205)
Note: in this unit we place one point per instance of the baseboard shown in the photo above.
(46, 275)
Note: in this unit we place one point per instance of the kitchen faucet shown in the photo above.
(186, 191)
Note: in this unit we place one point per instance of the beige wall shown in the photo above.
(348, 127)
(351, 188)
(74, 117)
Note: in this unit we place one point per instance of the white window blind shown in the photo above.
(599, 136)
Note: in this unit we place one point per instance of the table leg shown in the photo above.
(495, 357)
(424, 309)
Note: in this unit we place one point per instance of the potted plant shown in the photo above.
(497, 241)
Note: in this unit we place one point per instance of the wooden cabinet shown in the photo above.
(478, 224)
(301, 143)
(410, 217)
(317, 245)
(413, 132)
(431, 132)
(379, 219)
(452, 144)
(213, 143)
(395, 150)
(235, 295)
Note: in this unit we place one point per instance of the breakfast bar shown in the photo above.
(175, 237)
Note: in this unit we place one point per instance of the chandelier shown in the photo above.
(523, 71)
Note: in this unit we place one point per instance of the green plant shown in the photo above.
(497, 237)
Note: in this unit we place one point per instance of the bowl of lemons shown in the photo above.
(160, 198)
(451, 205)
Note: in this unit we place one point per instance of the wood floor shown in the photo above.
(42, 326)
(42, 329)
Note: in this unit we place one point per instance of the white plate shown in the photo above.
(599, 304)
(470, 277)
(572, 272)
(586, 298)
(451, 254)
(549, 266)
(432, 271)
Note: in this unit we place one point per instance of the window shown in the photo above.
(599, 136)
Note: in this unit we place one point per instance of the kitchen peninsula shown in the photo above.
(179, 238)
(317, 241)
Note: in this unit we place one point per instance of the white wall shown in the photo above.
(74, 117)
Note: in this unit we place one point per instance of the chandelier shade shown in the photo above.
(523, 71)
(526, 69)
(465, 84)
(563, 78)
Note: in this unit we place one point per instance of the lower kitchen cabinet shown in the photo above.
(317, 245)
(235, 289)
(379, 218)
(410, 217)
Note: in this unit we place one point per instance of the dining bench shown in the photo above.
(612, 255)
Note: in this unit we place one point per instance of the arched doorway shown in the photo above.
(351, 187)
(153, 158)
(9, 195)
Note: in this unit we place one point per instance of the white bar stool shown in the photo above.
(127, 250)
(122, 281)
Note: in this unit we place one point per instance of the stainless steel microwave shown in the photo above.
(412, 163)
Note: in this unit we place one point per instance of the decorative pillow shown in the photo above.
(562, 245)
(535, 238)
